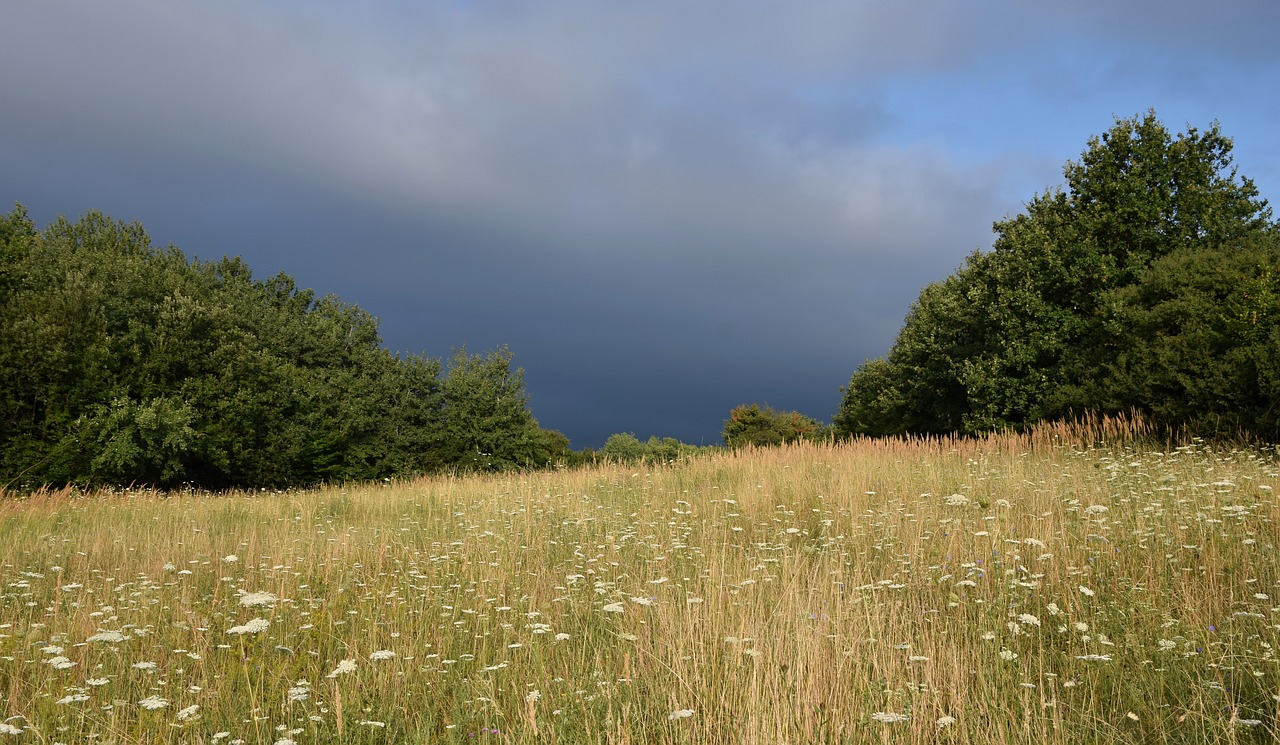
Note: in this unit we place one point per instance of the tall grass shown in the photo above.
(1053, 586)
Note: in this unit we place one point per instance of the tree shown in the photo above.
(752, 425)
(1014, 336)
(623, 447)
(1197, 339)
(486, 421)
(127, 363)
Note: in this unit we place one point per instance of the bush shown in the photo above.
(752, 425)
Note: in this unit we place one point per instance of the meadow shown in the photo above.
(1038, 588)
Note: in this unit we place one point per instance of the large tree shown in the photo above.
(1196, 341)
(1019, 332)
(126, 363)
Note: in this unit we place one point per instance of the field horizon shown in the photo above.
(1071, 584)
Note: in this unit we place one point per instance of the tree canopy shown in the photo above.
(1147, 283)
(753, 425)
(126, 363)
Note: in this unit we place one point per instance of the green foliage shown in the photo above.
(752, 425)
(1196, 341)
(1033, 328)
(127, 363)
(625, 447)
(487, 424)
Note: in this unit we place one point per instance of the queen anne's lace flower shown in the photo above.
(255, 599)
(255, 626)
(344, 667)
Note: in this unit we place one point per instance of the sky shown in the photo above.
(663, 209)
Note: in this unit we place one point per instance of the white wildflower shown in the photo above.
(344, 667)
(61, 663)
(945, 721)
(561, 637)
(680, 714)
(613, 608)
(9, 729)
(532, 696)
(153, 702)
(255, 599)
(382, 654)
(110, 637)
(254, 626)
(956, 500)
(148, 666)
(642, 601)
(1086, 591)
(372, 723)
(1008, 655)
(230, 559)
(188, 713)
(1029, 619)
(97, 682)
(889, 717)
(74, 698)
(1094, 657)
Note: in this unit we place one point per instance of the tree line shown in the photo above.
(129, 364)
(126, 363)
(1150, 283)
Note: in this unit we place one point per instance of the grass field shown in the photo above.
(1032, 589)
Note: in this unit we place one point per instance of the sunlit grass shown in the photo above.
(1015, 589)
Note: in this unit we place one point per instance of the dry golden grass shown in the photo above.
(1047, 587)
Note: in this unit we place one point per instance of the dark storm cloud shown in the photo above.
(665, 209)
